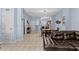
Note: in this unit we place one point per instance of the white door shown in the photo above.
(8, 23)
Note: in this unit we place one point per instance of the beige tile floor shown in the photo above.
(30, 42)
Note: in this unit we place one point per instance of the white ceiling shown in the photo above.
(39, 12)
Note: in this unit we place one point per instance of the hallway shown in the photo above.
(20, 28)
(31, 42)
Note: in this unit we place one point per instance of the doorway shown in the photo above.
(24, 29)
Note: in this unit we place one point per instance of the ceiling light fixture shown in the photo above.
(45, 11)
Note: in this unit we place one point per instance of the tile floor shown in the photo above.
(31, 42)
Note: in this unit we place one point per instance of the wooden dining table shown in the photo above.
(46, 32)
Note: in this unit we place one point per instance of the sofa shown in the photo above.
(61, 41)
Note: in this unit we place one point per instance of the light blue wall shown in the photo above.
(15, 23)
(57, 17)
(1, 25)
(74, 16)
(64, 12)
(19, 23)
(71, 18)
(35, 24)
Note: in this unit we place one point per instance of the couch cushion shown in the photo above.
(57, 35)
(62, 44)
(69, 35)
(77, 35)
(75, 43)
